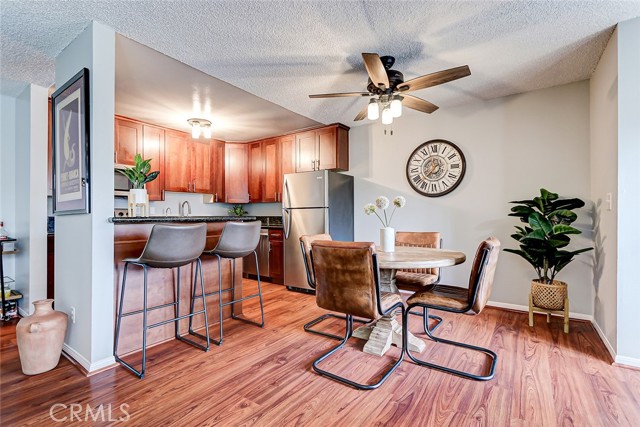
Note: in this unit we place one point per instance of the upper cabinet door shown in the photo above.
(128, 141)
(201, 166)
(326, 148)
(217, 172)
(235, 173)
(256, 171)
(306, 151)
(288, 155)
(153, 148)
(271, 177)
(176, 162)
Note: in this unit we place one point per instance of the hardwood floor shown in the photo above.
(263, 377)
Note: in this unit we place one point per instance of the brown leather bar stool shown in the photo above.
(169, 246)
(238, 239)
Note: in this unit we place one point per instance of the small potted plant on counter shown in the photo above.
(139, 174)
(542, 241)
(237, 210)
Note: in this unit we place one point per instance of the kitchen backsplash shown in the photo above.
(174, 200)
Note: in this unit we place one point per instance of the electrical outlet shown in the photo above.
(609, 201)
(73, 315)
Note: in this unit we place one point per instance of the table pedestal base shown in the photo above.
(384, 333)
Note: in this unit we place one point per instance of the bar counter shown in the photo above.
(131, 235)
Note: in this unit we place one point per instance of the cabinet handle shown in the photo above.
(275, 195)
(194, 186)
(215, 197)
(115, 157)
(313, 164)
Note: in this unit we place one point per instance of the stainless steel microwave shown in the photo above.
(121, 184)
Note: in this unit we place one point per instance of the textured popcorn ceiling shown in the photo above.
(284, 50)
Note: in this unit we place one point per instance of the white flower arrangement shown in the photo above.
(382, 203)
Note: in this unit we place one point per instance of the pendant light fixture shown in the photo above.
(387, 116)
(396, 106)
(373, 110)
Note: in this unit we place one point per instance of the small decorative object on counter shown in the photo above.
(237, 210)
(4, 235)
(139, 175)
(40, 338)
(543, 241)
(387, 234)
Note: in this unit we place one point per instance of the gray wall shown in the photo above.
(513, 146)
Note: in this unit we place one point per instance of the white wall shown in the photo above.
(31, 195)
(628, 345)
(604, 179)
(8, 172)
(513, 146)
(84, 243)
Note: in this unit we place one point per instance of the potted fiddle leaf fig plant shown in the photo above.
(139, 174)
(543, 240)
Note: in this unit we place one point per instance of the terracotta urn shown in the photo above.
(40, 337)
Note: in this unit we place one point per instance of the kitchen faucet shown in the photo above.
(167, 211)
(181, 208)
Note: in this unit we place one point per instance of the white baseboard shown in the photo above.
(22, 312)
(605, 341)
(88, 366)
(525, 308)
(627, 361)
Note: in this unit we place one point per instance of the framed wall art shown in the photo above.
(70, 136)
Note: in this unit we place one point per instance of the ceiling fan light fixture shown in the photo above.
(373, 110)
(396, 107)
(200, 126)
(387, 116)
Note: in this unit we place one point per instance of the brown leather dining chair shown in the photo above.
(456, 299)
(419, 279)
(347, 281)
(305, 246)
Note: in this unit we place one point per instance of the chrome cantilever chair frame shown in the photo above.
(308, 326)
(349, 332)
(492, 355)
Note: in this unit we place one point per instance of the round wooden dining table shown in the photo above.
(386, 331)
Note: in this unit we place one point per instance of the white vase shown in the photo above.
(139, 195)
(387, 239)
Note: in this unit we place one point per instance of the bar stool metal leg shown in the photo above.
(259, 294)
(119, 317)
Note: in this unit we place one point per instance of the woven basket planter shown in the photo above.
(549, 296)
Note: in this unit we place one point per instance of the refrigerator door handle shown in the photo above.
(286, 218)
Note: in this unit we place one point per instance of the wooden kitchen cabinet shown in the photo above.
(256, 171)
(188, 163)
(176, 162)
(235, 173)
(272, 175)
(217, 173)
(153, 148)
(276, 255)
(128, 141)
(201, 166)
(323, 148)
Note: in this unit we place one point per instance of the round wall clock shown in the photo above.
(436, 168)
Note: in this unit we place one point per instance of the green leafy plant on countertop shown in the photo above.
(139, 174)
(237, 210)
(548, 220)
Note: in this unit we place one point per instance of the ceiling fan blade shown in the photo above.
(338, 95)
(418, 104)
(375, 69)
(434, 79)
(362, 114)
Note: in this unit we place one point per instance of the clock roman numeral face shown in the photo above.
(435, 168)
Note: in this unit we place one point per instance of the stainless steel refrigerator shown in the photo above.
(313, 203)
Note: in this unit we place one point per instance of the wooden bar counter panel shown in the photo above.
(130, 240)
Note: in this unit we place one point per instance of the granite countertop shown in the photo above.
(159, 219)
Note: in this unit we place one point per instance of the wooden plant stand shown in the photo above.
(564, 312)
